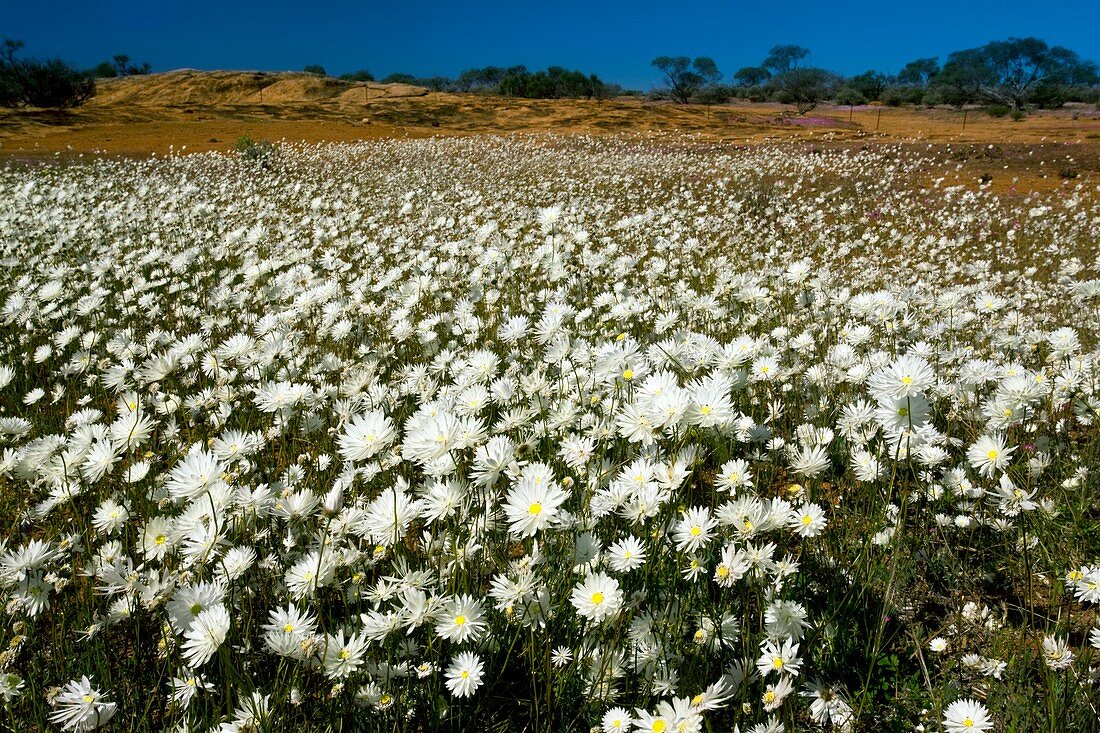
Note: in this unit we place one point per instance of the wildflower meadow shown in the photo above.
(544, 433)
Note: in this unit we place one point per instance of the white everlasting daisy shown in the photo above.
(463, 675)
(617, 720)
(626, 554)
(694, 530)
(966, 716)
(989, 454)
(534, 501)
(907, 375)
(780, 658)
(342, 657)
(461, 620)
(734, 475)
(597, 598)
(81, 707)
(205, 635)
(366, 435)
(807, 520)
(289, 630)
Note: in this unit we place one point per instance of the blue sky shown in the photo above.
(616, 40)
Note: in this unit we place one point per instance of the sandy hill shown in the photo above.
(188, 87)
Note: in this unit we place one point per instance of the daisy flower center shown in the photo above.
(993, 454)
(460, 620)
(88, 698)
(597, 597)
(535, 509)
(696, 531)
(628, 374)
(289, 628)
(465, 675)
(907, 380)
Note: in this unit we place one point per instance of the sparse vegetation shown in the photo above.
(31, 83)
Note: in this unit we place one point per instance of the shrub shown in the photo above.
(256, 151)
(32, 83)
(997, 110)
(316, 70)
(849, 96)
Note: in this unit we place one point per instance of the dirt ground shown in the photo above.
(188, 111)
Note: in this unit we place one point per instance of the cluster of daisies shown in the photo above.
(589, 430)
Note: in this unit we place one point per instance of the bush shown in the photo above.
(715, 94)
(1018, 114)
(849, 97)
(261, 152)
(997, 110)
(316, 70)
(41, 83)
(361, 75)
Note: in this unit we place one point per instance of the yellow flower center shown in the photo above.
(705, 410)
(777, 664)
(87, 698)
(460, 620)
(289, 628)
(659, 726)
(723, 571)
(906, 380)
(345, 654)
(535, 509)
(465, 675)
(807, 520)
(993, 454)
(696, 531)
(160, 539)
(968, 723)
(769, 696)
(597, 598)
(628, 374)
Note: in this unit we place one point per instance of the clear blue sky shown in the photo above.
(616, 40)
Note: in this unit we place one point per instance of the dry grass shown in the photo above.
(202, 111)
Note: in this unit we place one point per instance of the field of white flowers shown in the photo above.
(547, 434)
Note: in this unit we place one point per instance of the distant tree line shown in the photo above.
(1012, 74)
(1009, 75)
(556, 82)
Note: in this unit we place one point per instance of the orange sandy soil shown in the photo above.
(201, 111)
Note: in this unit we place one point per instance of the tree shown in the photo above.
(685, 77)
(751, 76)
(870, 85)
(919, 72)
(782, 59)
(316, 70)
(119, 65)
(804, 87)
(1010, 72)
(50, 83)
